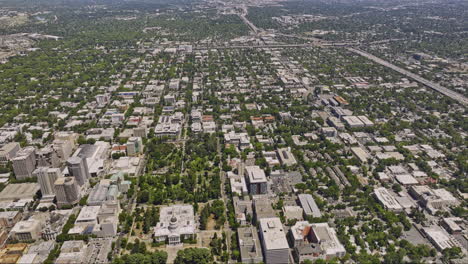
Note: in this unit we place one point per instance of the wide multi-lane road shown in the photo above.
(437, 87)
(243, 15)
(272, 46)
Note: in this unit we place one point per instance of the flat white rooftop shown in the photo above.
(88, 214)
(255, 174)
(273, 235)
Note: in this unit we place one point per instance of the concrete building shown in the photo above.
(102, 192)
(308, 204)
(329, 131)
(54, 224)
(360, 154)
(353, 121)
(439, 238)
(340, 112)
(406, 179)
(293, 212)
(168, 109)
(286, 157)
(64, 143)
(315, 241)
(196, 127)
(196, 115)
(365, 121)
(249, 245)
(433, 199)
(134, 146)
(285, 182)
(263, 209)
(151, 101)
(169, 99)
(46, 178)
(66, 191)
(167, 126)
(140, 132)
(240, 140)
(8, 152)
(274, 243)
(453, 225)
(176, 222)
(95, 156)
(256, 180)
(108, 219)
(102, 99)
(101, 220)
(88, 214)
(24, 163)
(174, 84)
(387, 199)
(209, 127)
(63, 148)
(78, 168)
(9, 218)
(74, 251)
(27, 230)
(271, 158)
(86, 220)
(238, 183)
(42, 249)
(336, 123)
(243, 210)
(47, 157)
(126, 165)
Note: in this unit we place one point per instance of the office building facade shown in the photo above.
(78, 168)
(24, 163)
(66, 191)
(46, 178)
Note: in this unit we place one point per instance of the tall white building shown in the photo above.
(47, 157)
(24, 163)
(134, 146)
(274, 243)
(78, 168)
(8, 152)
(65, 135)
(256, 179)
(63, 148)
(64, 143)
(46, 178)
(66, 191)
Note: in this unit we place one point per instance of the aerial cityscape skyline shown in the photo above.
(236, 131)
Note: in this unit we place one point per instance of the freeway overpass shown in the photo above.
(272, 46)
